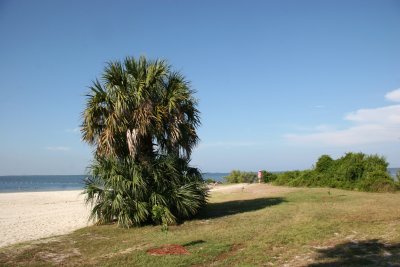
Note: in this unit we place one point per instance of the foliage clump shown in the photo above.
(353, 171)
(268, 177)
(141, 119)
(210, 181)
(237, 176)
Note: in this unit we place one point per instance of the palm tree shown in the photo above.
(141, 117)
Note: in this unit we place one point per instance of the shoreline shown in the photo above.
(42, 191)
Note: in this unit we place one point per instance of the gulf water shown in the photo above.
(32, 183)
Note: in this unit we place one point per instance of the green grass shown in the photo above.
(259, 226)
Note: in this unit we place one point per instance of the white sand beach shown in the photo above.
(33, 215)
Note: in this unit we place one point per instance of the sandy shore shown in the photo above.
(33, 215)
(228, 188)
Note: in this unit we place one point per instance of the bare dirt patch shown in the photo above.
(234, 248)
(58, 258)
(168, 250)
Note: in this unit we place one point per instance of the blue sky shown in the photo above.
(279, 82)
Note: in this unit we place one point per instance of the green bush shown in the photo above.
(268, 176)
(350, 167)
(353, 171)
(377, 181)
(237, 176)
(375, 163)
(324, 164)
(299, 178)
(285, 178)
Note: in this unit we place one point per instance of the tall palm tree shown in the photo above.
(141, 117)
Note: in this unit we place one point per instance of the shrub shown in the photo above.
(352, 171)
(268, 176)
(350, 167)
(375, 163)
(398, 180)
(299, 178)
(377, 181)
(323, 164)
(285, 178)
(237, 176)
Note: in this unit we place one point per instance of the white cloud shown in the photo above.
(375, 125)
(361, 134)
(393, 95)
(383, 115)
(57, 148)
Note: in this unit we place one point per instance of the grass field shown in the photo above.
(254, 225)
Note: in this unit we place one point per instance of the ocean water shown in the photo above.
(32, 183)
(217, 176)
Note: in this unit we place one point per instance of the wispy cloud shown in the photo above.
(374, 125)
(58, 148)
(361, 134)
(393, 95)
(319, 106)
(383, 115)
(74, 130)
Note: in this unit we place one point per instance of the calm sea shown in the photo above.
(31, 183)
(217, 176)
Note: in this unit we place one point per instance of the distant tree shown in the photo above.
(354, 171)
(141, 117)
(237, 176)
(268, 176)
(324, 163)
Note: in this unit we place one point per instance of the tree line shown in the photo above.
(353, 171)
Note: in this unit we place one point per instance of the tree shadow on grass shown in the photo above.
(363, 253)
(216, 210)
(194, 243)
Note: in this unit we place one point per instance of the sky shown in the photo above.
(279, 83)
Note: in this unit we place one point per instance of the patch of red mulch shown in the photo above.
(168, 250)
